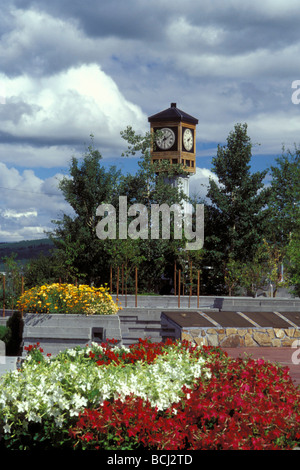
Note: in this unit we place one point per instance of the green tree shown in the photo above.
(263, 270)
(235, 214)
(293, 256)
(44, 269)
(13, 281)
(284, 201)
(80, 253)
(150, 185)
(283, 212)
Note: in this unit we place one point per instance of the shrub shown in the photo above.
(14, 345)
(68, 298)
(5, 333)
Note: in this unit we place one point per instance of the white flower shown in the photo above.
(78, 401)
(59, 421)
(73, 367)
(62, 387)
(22, 406)
(6, 428)
(34, 417)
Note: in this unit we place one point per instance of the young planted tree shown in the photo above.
(293, 257)
(260, 273)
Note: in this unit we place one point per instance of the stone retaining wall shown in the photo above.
(241, 337)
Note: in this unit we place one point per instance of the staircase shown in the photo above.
(143, 323)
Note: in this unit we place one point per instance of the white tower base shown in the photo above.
(183, 183)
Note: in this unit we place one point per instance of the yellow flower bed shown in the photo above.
(68, 298)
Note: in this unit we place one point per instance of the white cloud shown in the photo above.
(193, 37)
(199, 182)
(28, 204)
(26, 155)
(8, 213)
(67, 107)
(37, 41)
(69, 69)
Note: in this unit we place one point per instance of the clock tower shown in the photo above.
(176, 142)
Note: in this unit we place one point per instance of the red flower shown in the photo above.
(247, 404)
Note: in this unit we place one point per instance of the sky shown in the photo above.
(69, 69)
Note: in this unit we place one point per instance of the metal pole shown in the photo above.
(118, 283)
(179, 275)
(136, 286)
(22, 289)
(198, 289)
(3, 295)
(191, 280)
(175, 278)
(126, 285)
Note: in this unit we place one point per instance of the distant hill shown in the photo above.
(25, 250)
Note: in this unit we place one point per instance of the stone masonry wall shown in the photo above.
(241, 337)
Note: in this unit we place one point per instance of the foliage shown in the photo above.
(78, 250)
(293, 255)
(284, 201)
(248, 405)
(15, 323)
(25, 250)
(233, 275)
(259, 273)
(284, 214)
(84, 257)
(250, 229)
(152, 396)
(67, 298)
(150, 186)
(43, 269)
(235, 214)
(13, 281)
(5, 333)
(43, 399)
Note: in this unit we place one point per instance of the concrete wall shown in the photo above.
(263, 304)
(58, 331)
(266, 304)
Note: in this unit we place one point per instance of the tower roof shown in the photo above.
(173, 114)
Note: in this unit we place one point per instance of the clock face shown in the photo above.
(188, 139)
(166, 140)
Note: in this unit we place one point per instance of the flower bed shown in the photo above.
(150, 396)
(67, 298)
